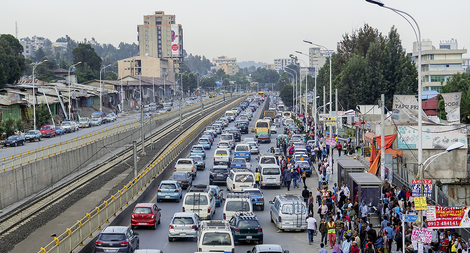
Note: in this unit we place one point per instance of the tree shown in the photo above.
(189, 82)
(208, 83)
(286, 94)
(43, 116)
(12, 62)
(90, 62)
(283, 80)
(460, 82)
(110, 75)
(39, 55)
(220, 74)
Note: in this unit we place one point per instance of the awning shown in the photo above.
(369, 137)
(375, 164)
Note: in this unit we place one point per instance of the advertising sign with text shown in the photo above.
(448, 217)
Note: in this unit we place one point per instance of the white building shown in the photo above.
(438, 65)
(28, 49)
(317, 58)
(281, 63)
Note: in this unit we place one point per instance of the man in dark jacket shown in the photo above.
(305, 195)
(288, 179)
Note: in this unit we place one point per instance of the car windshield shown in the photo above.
(242, 148)
(244, 178)
(263, 135)
(289, 208)
(196, 200)
(197, 148)
(221, 152)
(203, 140)
(214, 238)
(252, 145)
(45, 128)
(83, 120)
(226, 137)
(93, 119)
(237, 206)
(262, 124)
(66, 124)
(184, 162)
(31, 132)
(268, 160)
(179, 175)
(196, 158)
(253, 192)
(248, 224)
(271, 171)
(168, 186)
(238, 160)
(96, 115)
(12, 138)
(183, 220)
(303, 164)
(143, 210)
(112, 237)
(216, 170)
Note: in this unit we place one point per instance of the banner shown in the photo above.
(422, 235)
(416, 188)
(420, 203)
(330, 121)
(323, 117)
(175, 52)
(14, 98)
(452, 105)
(434, 137)
(330, 141)
(448, 217)
(341, 114)
(405, 110)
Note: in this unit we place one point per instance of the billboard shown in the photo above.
(175, 47)
(405, 110)
(452, 106)
(434, 137)
(448, 217)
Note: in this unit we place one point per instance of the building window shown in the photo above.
(438, 78)
(431, 57)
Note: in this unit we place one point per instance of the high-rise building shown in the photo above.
(229, 65)
(160, 36)
(317, 58)
(281, 63)
(438, 65)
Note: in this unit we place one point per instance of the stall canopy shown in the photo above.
(369, 137)
(375, 157)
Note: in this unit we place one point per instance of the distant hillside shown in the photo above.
(247, 64)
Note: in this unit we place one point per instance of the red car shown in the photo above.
(48, 130)
(145, 214)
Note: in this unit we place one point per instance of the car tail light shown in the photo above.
(237, 230)
(209, 210)
(172, 227)
(198, 143)
(183, 209)
(218, 197)
(200, 249)
(260, 199)
(193, 227)
(192, 168)
(176, 191)
(233, 250)
(186, 181)
(132, 216)
(225, 216)
(203, 151)
(159, 190)
(261, 178)
(175, 168)
(260, 230)
(124, 243)
(233, 186)
(153, 216)
(99, 243)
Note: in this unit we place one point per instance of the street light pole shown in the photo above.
(101, 89)
(420, 99)
(70, 84)
(122, 92)
(34, 93)
(294, 95)
(153, 84)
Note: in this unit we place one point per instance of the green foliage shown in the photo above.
(264, 76)
(207, 83)
(442, 110)
(368, 64)
(189, 82)
(283, 80)
(43, 116)
(12, 61)
(110, 75)
(197, 63)
(220, 74)
(90, 62)
(10, 125)
(460, 82)
(286, 95)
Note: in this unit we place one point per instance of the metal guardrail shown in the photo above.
(93, 221)
(30, 156)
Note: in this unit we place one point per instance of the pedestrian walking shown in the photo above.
(288, 179)
(331, 232)
(305, 195)
(346, 246)
(310, 203)
(339, 147)
(311, 227)
(322, 250)
(258, 176)
(295, 176)
(323, 231)
(304, 177)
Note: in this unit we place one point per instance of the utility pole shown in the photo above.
(135, 158)
(336, 109)
(182, 92)
(382, 139)
(142, 129)
(324, 108)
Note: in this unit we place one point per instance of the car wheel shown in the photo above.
(138, 245)
(271, 215)
(170, 239)
(16, 144)
(181, 196)
(217, 204)
(177, 200)
(260, 241)
(22, 144)
(133, 227)
(154, 227)
(262, 208)
(159, 220)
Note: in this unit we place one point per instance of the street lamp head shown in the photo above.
(308, 41)
(454, 146)
(298, 52)
(377, 2)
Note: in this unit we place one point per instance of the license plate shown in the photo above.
(167, 196)
(249, 237)
(259, 204)
(110, 250)
(143, 223)
(182, 234)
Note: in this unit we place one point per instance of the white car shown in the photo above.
(186, 165)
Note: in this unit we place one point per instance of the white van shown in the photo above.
(215, 236)
(230, 115)
(200, 200)
(237, 202)
(222, 156)
(270, 175)
(238, 179)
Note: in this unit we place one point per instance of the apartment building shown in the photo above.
(281, 63)
(160, 36)
(229, 65)
(269, 66)
(146, 66)
(438, 64)
(28, 48)
(317, 58)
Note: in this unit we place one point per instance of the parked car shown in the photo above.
(59, 130)
(183, 225)
(48, 131)
(146, 214)
(33, 135)
(183, 178)
(84, 122)
(68, 126)
(14, 141)
(117, 239)
(100, 115)
(169, 190)
(111, 117)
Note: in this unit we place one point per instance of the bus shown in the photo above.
(261, 94)
(262, 126)
(280, 108)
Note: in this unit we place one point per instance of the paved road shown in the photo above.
(157, 239)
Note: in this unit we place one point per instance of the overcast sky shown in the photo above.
(250, 30)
